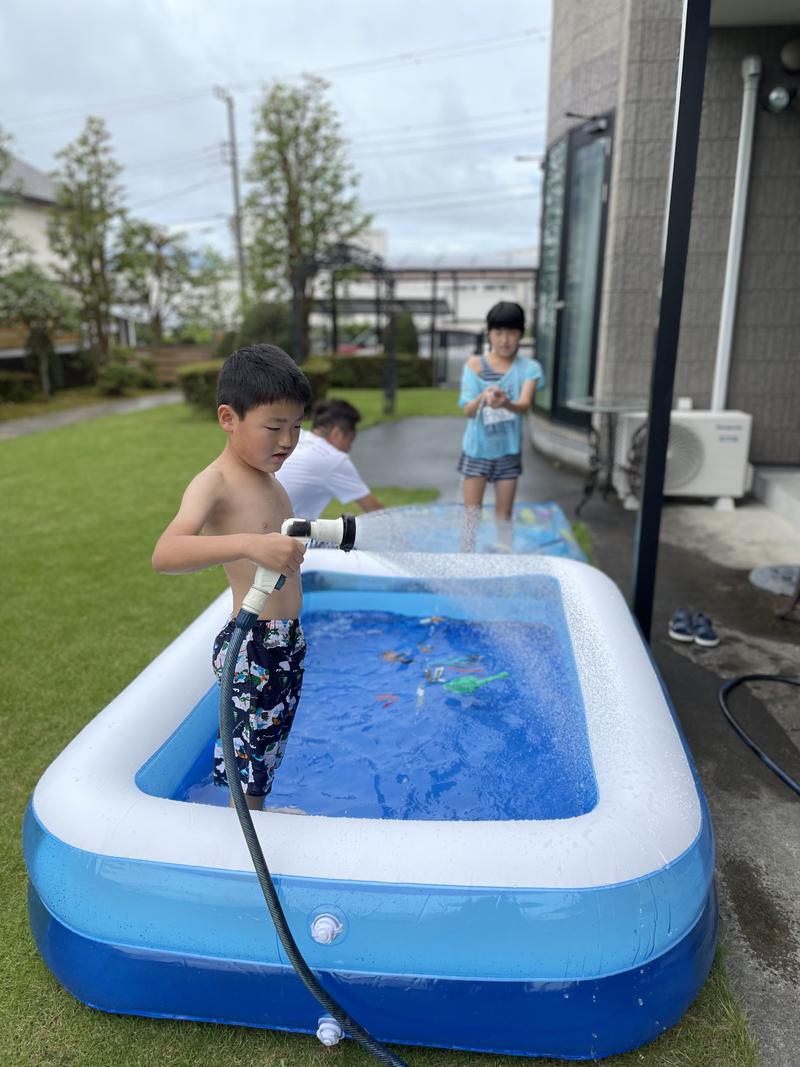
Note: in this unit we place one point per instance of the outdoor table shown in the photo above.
(608, 410)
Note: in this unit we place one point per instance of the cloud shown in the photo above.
(425, 134)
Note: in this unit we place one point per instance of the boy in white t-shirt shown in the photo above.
(320, 469)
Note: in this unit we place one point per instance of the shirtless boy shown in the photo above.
(231, 514)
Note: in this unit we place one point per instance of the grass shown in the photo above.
(409, 402)
(63, 400)
(369, 401)
(83, 613)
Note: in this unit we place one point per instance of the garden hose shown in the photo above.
(343, 534)
(723, 694)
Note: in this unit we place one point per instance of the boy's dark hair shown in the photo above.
(506, 316)
(260, 374)
(330, 413)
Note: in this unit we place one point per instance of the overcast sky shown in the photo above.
(436, 97)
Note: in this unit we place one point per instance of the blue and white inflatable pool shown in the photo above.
(506, 847)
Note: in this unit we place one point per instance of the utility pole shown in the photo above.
(227, 99)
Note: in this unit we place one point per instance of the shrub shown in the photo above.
(198, 382)
(366, 372)
(17, 386)
(226, 344)
(79, 369)
(266, 324)
(318, 372)
(117, 378)
(146, 373)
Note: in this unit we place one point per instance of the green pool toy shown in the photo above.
(469, 683)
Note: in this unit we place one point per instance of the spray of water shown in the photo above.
(534, 528)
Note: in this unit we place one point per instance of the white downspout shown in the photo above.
(751, 75)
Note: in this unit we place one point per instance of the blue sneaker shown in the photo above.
(704, 633)
(680, 626)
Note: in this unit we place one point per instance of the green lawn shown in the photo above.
(369, 401)
(84, 613)
(63, 400)
(409, 402)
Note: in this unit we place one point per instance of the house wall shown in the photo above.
(765, 356)
(28, 220)
(624, 54)
(584, 61)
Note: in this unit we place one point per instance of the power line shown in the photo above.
(439, 194)
(456, 204)
(506, 40)
(416, 127)
(180, 192)
(434, 137)
(168, 161)
(151, 100)
(441, 146)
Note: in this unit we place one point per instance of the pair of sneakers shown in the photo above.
(685, 626)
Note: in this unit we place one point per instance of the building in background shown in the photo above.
(614, 68)
(447, 297)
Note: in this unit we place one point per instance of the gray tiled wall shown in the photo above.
(623, 54)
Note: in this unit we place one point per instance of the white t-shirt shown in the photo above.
(315, 473)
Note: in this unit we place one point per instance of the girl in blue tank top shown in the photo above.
(496, 390)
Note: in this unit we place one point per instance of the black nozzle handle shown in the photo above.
(348, 533)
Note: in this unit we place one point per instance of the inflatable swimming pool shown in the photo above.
(506, 847)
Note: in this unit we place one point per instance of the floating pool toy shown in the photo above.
(469, 683)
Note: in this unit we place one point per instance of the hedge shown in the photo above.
(318, 371)
(366, 372)
(198, 382)
(17, 386)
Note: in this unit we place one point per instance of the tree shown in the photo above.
(167, 282)
(83, 226)
(31, 299)
(302, 198)
(207, 303)
(154, 270)
(266, 322)
(11, 246)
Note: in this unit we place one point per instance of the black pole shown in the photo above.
(688, 106)
(297, 296)
(377, 310)
(434, 298)
(390, 353)
(334, 316)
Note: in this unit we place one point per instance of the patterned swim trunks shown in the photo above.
(266, 691)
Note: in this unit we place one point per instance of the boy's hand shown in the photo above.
(277, 552)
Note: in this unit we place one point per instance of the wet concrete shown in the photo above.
(51, 420)
(704, 561)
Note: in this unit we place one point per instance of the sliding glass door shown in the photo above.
(570, 273)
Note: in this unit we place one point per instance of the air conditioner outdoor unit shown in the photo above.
(706, 455)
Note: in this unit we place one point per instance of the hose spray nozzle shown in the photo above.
(341, 533)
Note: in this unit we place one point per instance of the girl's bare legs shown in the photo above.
(473, 501)
(504, 493)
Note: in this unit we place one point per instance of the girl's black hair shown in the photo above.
(506, 316)
(260, 374)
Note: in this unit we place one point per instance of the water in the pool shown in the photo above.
(406, 717)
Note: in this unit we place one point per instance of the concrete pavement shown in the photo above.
(704, 560)
(51, 420)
